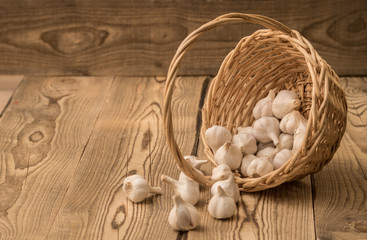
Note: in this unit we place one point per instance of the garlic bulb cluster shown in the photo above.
(229, 186)
(216, 136)
(285, 102)
(221, 172)
(137, 188)
(229, 154)
(183, 216)
(187, 189)
(221, 206)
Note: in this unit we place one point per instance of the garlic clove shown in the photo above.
(285, 102)
(285, 141)
(247, 130)
(229, 186)
(229, 154)
(216, 136)
(195, 162)
(221, 172)
(221, 206)
(266, 129)
(259, 167)
(281, 158)
(268, 152)
(137, 188)
(263, 107)
(246, 160)
(183, 216)
(187, 189)
(291, 121)
(245, 142)
(261, 146)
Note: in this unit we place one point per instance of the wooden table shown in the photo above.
(67, 144)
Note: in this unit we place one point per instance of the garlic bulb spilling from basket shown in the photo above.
(187, 189)
(281, 158)
(183, 216)
(195, 162)
(229, 186)
(246, 160)
(245, 142)
(221, 206)
(266, 129)
(263, 107)
(285, 102)
(221, 172)
(137, 188)
(229, 154)
(216, 136)
(259, 167)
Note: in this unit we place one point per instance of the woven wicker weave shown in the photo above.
(274, 58)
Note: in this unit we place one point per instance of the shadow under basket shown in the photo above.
(273, 58)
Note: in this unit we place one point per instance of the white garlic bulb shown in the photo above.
(261, 146)
(285, 141)
(183, 216)
(266, 152)
(187, 189)
(245, 142)
(266, 129)
(247, 130)
(285, 102)
(281, 157)
(259, 167)
(298, 138)
(195, 162)
(137, 188)
(229, 154)
(229, 186)
(221, 172)
(246, 160)
(221, 206)
(216, 136)
(291, 121)
(263, 107)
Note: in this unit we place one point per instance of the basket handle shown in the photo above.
(172, 72)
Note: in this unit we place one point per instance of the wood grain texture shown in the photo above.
(140, 37)
(7, 87)
(43, 132)
(128, 138)
(341, 187)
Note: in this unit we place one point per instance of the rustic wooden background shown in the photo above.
(72, 37)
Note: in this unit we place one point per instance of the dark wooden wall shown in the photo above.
(140, 37)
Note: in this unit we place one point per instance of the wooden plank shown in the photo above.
(128, 138)
(140, 37)
(7, 87)
(341, 187)
(43, 133)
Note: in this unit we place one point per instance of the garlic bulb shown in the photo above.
(229, 154)
(221, 206)
(195, 162)
(291, 121)
(137, 188)
(187, 189)
(266, 152)
(266, 129)
(216, 136)
(261, 146)
(246, 160)
(245, 142)
(281, 157)
(259, 167)
(183, 216)
(285, 141)
(263, 107)
(247, 130)
(221, 172)
(298, 139)
(285, 102)
(229, 186)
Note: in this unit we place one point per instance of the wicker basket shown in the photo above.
(274, 58)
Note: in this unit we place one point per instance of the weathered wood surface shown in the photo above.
(341, 187)
(140, 37)
(98, 130)
(7, 87)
